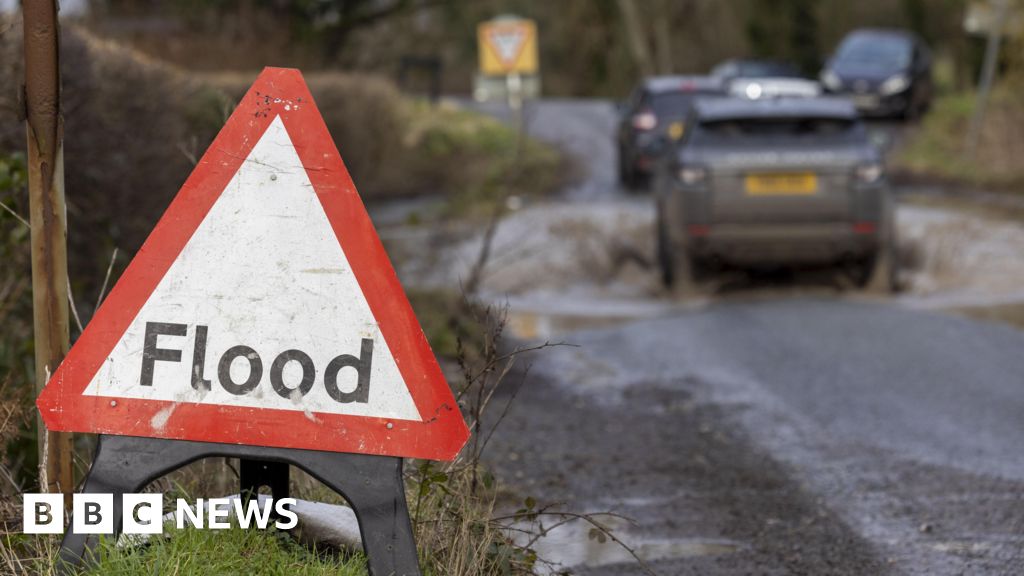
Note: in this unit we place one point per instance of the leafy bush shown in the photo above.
(17, 441)
(398, 147)
(477, 159)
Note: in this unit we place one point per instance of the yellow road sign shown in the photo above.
(981, 18)
(507, 46)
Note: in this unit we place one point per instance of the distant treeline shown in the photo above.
(588, 47)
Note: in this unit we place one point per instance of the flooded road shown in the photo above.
(774, 424)
(589, 252)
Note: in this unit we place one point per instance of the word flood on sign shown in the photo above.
(242, 354)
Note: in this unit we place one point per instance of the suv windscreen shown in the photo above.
(739, 131)
(875, 51)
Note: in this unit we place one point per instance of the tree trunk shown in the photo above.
(637, 37)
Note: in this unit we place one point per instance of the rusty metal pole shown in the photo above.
(45, 132)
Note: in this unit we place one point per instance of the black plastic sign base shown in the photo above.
(372, 485)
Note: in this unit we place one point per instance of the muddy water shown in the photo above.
(577, 544)
(573, 267)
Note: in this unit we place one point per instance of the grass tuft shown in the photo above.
(192, 552)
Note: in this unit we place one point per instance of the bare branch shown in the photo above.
(74, 309)
(106, 279)
(566, 517)
(16, 215)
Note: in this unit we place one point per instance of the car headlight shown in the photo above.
(894, 84)
(753, 91)
(831, 80)
(870, 173)
(692, 175)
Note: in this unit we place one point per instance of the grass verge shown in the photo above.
(398, 147)
(937, 150)
(192, 552)
(494, 161)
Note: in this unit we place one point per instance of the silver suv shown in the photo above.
(765, 183)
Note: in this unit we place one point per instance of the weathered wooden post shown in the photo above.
(45, 135)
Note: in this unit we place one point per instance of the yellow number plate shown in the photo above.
(782, 184)
(676, 129)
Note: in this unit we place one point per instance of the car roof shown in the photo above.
(771, 61)
(883, 33)
(784, 107)
(777, 82)
(789, 67)
(658, 84)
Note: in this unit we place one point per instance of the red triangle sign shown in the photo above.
(262, 309)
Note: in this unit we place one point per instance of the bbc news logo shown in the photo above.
(143, 513)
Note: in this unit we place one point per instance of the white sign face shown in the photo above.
(260, 310)
(507, 43)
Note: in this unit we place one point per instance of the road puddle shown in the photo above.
(1010, 313)
(575, 544)
(536, 326)
(546, 316)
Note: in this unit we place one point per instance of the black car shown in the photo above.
(755, 68)
(885, 72)
(654, 114)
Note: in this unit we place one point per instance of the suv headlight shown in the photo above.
(870, 173)
(894, 85)
(830, 80)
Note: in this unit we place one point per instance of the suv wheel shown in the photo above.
(678, 270)
(885, 272)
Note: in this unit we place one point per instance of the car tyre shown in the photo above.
(636, 182)
(627, 173)
(623, 168)
(677, 270)
(862, 270)
(666, 270)
(884, 277)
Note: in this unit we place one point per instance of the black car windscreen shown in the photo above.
(672, 104)
(761, 130)
(877, 52)
(757, 69)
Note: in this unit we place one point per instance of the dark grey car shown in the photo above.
(652, 116)
(765, 183)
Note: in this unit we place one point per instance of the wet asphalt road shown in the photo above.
(798, 435)
(898, 432)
